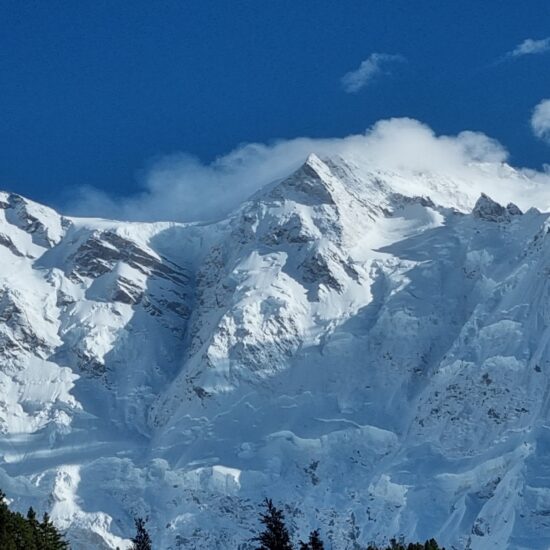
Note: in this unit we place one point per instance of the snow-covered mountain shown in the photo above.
(370, 348)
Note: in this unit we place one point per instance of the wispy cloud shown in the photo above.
(375, 65)
(530, 47)
(181, 188)
(540, 120)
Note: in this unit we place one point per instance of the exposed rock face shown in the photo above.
(43, 224)
(487, 209)
(370, 348)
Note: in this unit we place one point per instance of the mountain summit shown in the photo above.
(368, 347)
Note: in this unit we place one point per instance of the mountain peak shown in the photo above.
(312, 183)
(43, 224)
(315, 163)
(487, 209)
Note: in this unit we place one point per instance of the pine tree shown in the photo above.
(400, 545)
(4, 521)
(14, 531)
(50, 537)
(275, 535)
(22, 535)
(142, 540)
(34, 526)
(26, 533)
(314, 542)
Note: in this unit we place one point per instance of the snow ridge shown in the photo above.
(370, 348)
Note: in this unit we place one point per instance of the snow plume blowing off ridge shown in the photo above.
(181, 188)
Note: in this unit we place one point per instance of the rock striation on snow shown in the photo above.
(369, 348)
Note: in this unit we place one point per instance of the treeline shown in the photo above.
(276, 536)
(18, 532)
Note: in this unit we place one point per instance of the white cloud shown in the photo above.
(531, 47)
(181, 188)
(540, 120)
(370, 68)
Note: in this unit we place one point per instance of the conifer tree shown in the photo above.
(21, 535)
(26, 533)
(275, 535)
(34, 526)
(314, 542)
(399, 545)
(4, 519)
(50, 537)
(142, 540)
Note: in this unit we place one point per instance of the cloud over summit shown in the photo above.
(180, 187)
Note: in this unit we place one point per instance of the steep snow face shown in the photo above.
(370, 348)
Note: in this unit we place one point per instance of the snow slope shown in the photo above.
(370, 348)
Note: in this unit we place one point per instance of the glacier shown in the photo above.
(368, 347)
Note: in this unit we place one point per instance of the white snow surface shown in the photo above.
(370, 349)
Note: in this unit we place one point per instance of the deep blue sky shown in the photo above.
(90, 91)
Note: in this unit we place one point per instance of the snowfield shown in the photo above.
(369, 348)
